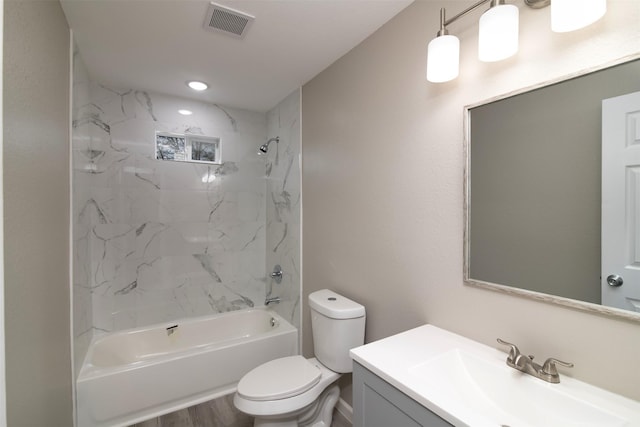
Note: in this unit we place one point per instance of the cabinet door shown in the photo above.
(376, 403)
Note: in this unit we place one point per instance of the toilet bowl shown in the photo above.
(286, 392)
(294, 391)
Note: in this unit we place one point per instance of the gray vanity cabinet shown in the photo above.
(376, 403)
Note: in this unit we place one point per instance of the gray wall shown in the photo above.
(382, 183)
(535, 185)
(36, 223)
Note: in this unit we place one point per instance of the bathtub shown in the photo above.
(133, 375)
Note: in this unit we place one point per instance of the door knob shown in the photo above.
(614, 280)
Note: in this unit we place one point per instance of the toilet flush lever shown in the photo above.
(277, 274)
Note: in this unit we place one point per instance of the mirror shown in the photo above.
(533, 198)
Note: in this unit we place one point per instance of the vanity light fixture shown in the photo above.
(498, 31)
(185, 112)
(196, 85)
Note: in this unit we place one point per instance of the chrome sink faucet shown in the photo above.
(547, 372)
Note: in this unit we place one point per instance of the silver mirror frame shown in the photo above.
(505, 289)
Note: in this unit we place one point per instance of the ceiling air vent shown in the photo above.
(225, 20)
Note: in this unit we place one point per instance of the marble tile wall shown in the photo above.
(156, 240)
(283, 205)
(82, 306)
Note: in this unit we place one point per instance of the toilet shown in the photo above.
(294, 391)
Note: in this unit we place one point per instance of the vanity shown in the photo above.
(433, 378)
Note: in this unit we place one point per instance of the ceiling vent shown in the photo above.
(222, 19)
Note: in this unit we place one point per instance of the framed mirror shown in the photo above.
(534, 201)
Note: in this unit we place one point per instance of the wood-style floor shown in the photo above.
(216, 413)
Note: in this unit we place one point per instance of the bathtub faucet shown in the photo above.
(272, 300)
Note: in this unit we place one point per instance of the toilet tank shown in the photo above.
(338, 326)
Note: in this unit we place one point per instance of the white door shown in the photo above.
(621, 202)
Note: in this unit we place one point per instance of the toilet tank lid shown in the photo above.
(335, 306)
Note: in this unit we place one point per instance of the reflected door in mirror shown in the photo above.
(621, 202)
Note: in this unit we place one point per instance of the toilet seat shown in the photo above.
(280, 407)
(279, 379)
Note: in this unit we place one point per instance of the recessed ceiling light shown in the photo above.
(185, 112)
(196, 85)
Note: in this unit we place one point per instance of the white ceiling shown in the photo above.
(158, 45)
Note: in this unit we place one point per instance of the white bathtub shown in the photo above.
(133, 375)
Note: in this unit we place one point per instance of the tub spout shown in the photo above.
(272, 300)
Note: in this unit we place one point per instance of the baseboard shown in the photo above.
(345, 409)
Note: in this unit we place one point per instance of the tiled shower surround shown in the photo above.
(82, 306)
(161, 240)
(284, 205)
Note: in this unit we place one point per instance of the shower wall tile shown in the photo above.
(283, 204)
(157, 242)
(82, 307)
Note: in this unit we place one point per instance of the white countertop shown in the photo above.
(396, 359)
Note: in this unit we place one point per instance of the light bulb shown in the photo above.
(443, 59)
(498, 33)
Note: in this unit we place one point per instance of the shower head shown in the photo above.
(265, 147)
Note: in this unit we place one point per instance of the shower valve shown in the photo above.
(277, 273)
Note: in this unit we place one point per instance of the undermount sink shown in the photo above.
(504, 396)
(469, 384)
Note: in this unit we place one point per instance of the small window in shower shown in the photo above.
(188, 148)
(204, 149)
(171, 147)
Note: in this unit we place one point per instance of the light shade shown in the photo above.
(443, 59)
(570, 15)
(498, 33)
